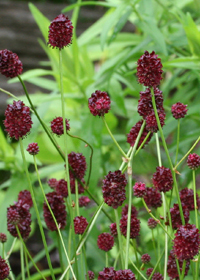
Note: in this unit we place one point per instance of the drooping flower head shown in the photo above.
(162, 179)
(10, 65)
(105, 241)
(187, 198)
(153, 198)
(113, 188)
(99, 103)
(132, 135)
(78, 164)
(186, 242)
(60, 32)
(57, 205)
(193, 161)
(18, 120)
(80, 224)
(134, 228)
(172, 270)
(4, 269)
(57, 126)
(24, 197)
(149, 69)
(179, 110)
(18, 214)
(33, 149)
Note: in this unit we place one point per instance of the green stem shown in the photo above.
(195, 199)
(36, 208)
(119, 236)
(22, 241)
(177, 142)
(60, 253)
(52, 214)
(136, 255)
(76, 196)
(183, 270)
(154, 245)
(22, 260)
(113, 138)
(106, 253)
(168, 156)
(27, 268)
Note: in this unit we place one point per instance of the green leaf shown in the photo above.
(183, 62)
(88, 3)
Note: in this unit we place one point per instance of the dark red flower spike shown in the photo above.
(4, 269)
(57, 126)
(179, 110)
(193, 161)
(162, 179)
(33, 149)
(99, 103)
(105, 241)
(10, 65)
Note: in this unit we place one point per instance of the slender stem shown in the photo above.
(52, 214)
(77, 203)
(113, 138)
(168, 156)
(36, 208)
(60, 253)
(135, 252)
(22, 241)
(106, 253)
(154, 245)
(183, 270)
(195, 199)
(27, 268)
(177, 142)
(22, 260)
(143, 142)
(193, 146)
(119, 236)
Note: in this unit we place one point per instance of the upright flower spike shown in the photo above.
(57, 126)
(176, 217)
(24, 197)
(80, 224)
(108, 273)
(33, 149)
(193, 161)
(172, 270)
(105, 241)
(60, 32)
(3, 237)
(18, 120)
(113, 189)
(134, 228)
(186, 242)
(78, 164)
(152, 223)
(83, 201)
(99, 103)
(162, 179)
(134, 211)
(125, 274)
(61, 188)
(19, 215)
(145, 258)
(139, 189)
(149, 69)
(179, 110)
(187, 198)
(153, 198)
(10, 65)
(4, 269)
(90, 274)
(57, 205)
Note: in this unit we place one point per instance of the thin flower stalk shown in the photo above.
(119, 236)
(177, 141)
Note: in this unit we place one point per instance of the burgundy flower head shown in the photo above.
(57, 126)
(151, 122)
(145, 258)
(132, 135)
(73, 186)
(83, 201)
(113, 229)
(172, 267)
(99, 103)
(125, 274)
(193, 161)
(33, 149)
(3, 237)
(80, 224)
(153, 198)
(108, 273)
(105, 241)
(134, 211)
(186, 242)
(113, 189)
(57, 205)
(19, 215)
(4, 269)
(149, 271)
(135, 226)
(139, 189)
(157, 276)
(179, 110)
(187, 198)
(10, 65)
(149, 69)
(52, 182)
(18, 120)
(25, 198)
(176, 217)
(61, 188)
(78, 164)
(90, 275)
(162, 179)
(152, 223)
(60, 32)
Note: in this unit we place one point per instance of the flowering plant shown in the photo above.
(104, 221)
